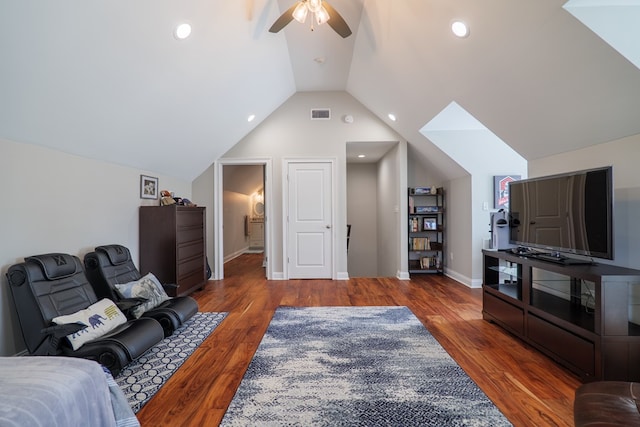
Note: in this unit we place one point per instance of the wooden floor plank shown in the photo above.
(529, 388)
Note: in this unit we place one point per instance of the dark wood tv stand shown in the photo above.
(585, 317)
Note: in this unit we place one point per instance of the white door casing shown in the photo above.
(218, 258)
(309, 220)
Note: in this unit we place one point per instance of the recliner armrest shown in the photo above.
(51, 344)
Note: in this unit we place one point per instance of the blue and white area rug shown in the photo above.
(356, 366)
(143, 377)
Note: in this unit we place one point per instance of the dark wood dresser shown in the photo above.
(173, 246)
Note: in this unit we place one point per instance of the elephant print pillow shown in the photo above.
(99, 318)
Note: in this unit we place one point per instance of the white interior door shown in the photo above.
(310, 228)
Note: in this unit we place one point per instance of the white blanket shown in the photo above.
(59, 391)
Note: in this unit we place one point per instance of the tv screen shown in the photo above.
(568, 213)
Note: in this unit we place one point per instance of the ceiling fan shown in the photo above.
(322, 12)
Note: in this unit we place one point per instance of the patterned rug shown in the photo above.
(143, 377)
(356, 366)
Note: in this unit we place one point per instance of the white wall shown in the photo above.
(56, 202)
(237, 207)
(417, 174)
(203, 196)
(289, 133)
(458, 227)
(392, 213)
(483, 155)
(362, 214)
(624, 156)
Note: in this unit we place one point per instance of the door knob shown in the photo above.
(328, 226)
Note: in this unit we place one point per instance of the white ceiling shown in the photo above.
(107, 79)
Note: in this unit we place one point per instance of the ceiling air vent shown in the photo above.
(320, 114)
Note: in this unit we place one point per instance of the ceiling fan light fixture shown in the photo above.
(321, 15)
(300, 12)
(322, 12)
(314, 5)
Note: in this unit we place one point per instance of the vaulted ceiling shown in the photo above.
(108, 80)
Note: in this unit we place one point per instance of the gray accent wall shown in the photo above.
(58, 202)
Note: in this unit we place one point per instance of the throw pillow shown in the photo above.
(148, 287)
(99, 318)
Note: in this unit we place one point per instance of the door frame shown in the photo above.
(285, 209)
(218, 220)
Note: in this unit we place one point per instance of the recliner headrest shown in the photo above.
(55, 265)
(117, 254)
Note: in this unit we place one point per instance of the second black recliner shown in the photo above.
(111, 265)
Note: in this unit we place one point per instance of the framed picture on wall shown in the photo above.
(148, 187)
(501, 190)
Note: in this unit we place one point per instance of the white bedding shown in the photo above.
(60, 391)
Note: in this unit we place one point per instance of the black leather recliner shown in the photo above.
(110, 265)
(47, 286)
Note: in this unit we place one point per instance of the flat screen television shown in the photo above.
(570, 213)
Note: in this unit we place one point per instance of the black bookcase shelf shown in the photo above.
(426, 230)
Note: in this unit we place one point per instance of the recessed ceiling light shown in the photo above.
(460, 29)
(251, 117)
(392, 117)
(182, 31)
(361, 156)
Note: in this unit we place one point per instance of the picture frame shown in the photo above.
(148, 187)
(501, 190)
(429, 224)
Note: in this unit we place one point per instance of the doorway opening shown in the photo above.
(241, 206)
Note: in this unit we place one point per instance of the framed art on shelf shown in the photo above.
(429, 224)
(148, 187)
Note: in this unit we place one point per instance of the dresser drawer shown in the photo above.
(190, 250)
(511, 316)
(190, 266)
(190, 235)
(190, 282)
(188, 217)
(576, 350)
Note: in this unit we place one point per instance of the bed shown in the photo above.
(60, 391)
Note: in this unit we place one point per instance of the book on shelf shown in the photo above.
(420, 243)
(430, 262)
(421, 191)
(426, 209)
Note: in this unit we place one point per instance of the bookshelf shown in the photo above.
(426, 230)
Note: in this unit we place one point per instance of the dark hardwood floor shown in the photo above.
(529, 388)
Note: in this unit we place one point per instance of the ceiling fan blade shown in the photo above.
(284, 19)
(336, 22)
